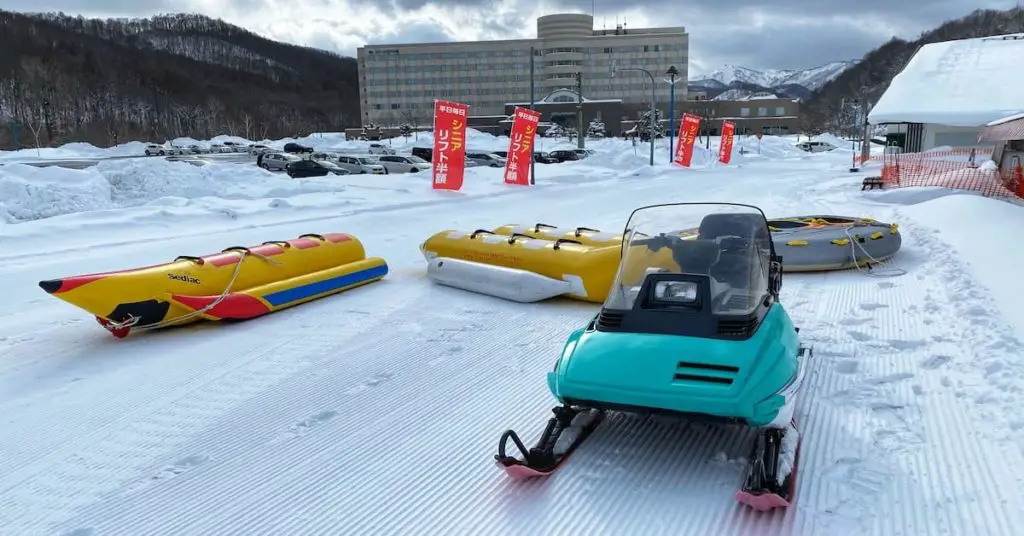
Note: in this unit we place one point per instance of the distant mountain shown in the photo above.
(742, 81)
(68, 78)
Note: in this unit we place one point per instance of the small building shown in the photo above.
(948, 92)
(560, 108)
(759, 113)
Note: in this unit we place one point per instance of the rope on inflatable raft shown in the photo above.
(116, 327)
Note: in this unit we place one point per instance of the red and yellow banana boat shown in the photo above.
(237, 283)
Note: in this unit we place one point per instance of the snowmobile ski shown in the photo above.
(562, 435)
(771, 476)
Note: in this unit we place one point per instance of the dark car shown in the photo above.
(565, 155)
(544, 158)
(423, 152)
(503, 154)
(313, 168)
(295, 148)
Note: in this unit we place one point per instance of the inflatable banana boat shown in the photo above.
(519, 267)
(237, 283)
(823, 242)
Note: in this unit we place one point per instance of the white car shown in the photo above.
(486, 159)
(404, 163)
(277, 161)
(361, 165)
(815, 146)
(380, 148)
(159, 150)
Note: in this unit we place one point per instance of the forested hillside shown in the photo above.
(870, 78)
(74, 79)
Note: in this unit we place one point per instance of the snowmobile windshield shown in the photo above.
(729, 244)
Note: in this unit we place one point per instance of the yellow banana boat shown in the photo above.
(237, 283)
(520, 267)
(582, 235)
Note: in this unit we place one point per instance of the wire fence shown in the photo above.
(960, 168)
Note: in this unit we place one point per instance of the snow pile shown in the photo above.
(31, 193)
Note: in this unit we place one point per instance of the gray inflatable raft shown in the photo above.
(824, 242)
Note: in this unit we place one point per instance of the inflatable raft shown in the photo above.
(237, 283)
(823, 242)
(519, 267)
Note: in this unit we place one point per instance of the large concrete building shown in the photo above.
(398, 83)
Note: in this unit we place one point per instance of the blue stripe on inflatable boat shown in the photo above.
(284, 297)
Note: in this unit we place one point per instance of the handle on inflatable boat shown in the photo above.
(283, 244)
(565, 241)
(581, 229)
(319, 237)
(478, 231)
(197, 260)
(512, 239)
(237, 248)
(536, 228)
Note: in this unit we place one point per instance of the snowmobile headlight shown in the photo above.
(675, 291)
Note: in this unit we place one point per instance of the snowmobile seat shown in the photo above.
(749, 226)
(695, 256)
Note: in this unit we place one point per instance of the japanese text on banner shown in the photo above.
(725, 146)
(689, 127)
(520, 146)
(449, 157)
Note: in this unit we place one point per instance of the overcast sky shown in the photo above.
(781, 34)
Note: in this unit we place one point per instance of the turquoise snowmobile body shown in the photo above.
(719, 378)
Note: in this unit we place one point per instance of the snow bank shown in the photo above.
(986, 233)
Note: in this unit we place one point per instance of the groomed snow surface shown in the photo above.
(378, 411)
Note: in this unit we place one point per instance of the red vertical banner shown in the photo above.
(689, 127)
(520, 146)
(449, 159)
(725, 146)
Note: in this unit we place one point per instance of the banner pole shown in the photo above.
(533, 106)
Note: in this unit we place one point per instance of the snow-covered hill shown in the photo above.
(811, 79)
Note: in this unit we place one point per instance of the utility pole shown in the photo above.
(533, 106)
(581, 133)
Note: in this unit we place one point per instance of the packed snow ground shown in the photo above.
(378, 411)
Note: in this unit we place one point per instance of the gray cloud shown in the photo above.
(753, 33)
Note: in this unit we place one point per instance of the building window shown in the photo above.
(607, 50)
(780, 110)
(744, 112)
(395, 106)
(762, 111)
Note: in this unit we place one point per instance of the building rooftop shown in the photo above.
(968, 82)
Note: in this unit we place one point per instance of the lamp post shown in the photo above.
(533, 106)
(653, 118)
(672, 72)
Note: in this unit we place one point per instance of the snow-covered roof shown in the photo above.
(1005, 129)
(968, 83)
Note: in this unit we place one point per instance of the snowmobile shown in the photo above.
(692, 327)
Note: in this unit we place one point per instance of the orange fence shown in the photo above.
(963, 168)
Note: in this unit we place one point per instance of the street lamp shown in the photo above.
(650, 123)
(672, 72)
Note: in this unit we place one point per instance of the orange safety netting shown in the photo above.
(963, 168)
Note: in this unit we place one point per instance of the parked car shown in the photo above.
(361, 165)
(380, 148)
(295, 148)
(544, 158)
(234, 146)
(815, 146)
(565, 155)
(426, 153)
(583, 153)
(258, 148)
(220, 148)
(503, 154)
(486, 159)
(153, 149)
(277, 161)
(302, 168)
(404, 164)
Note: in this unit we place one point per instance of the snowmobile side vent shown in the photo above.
(608, 319)
(737, 328)
(706, 373)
